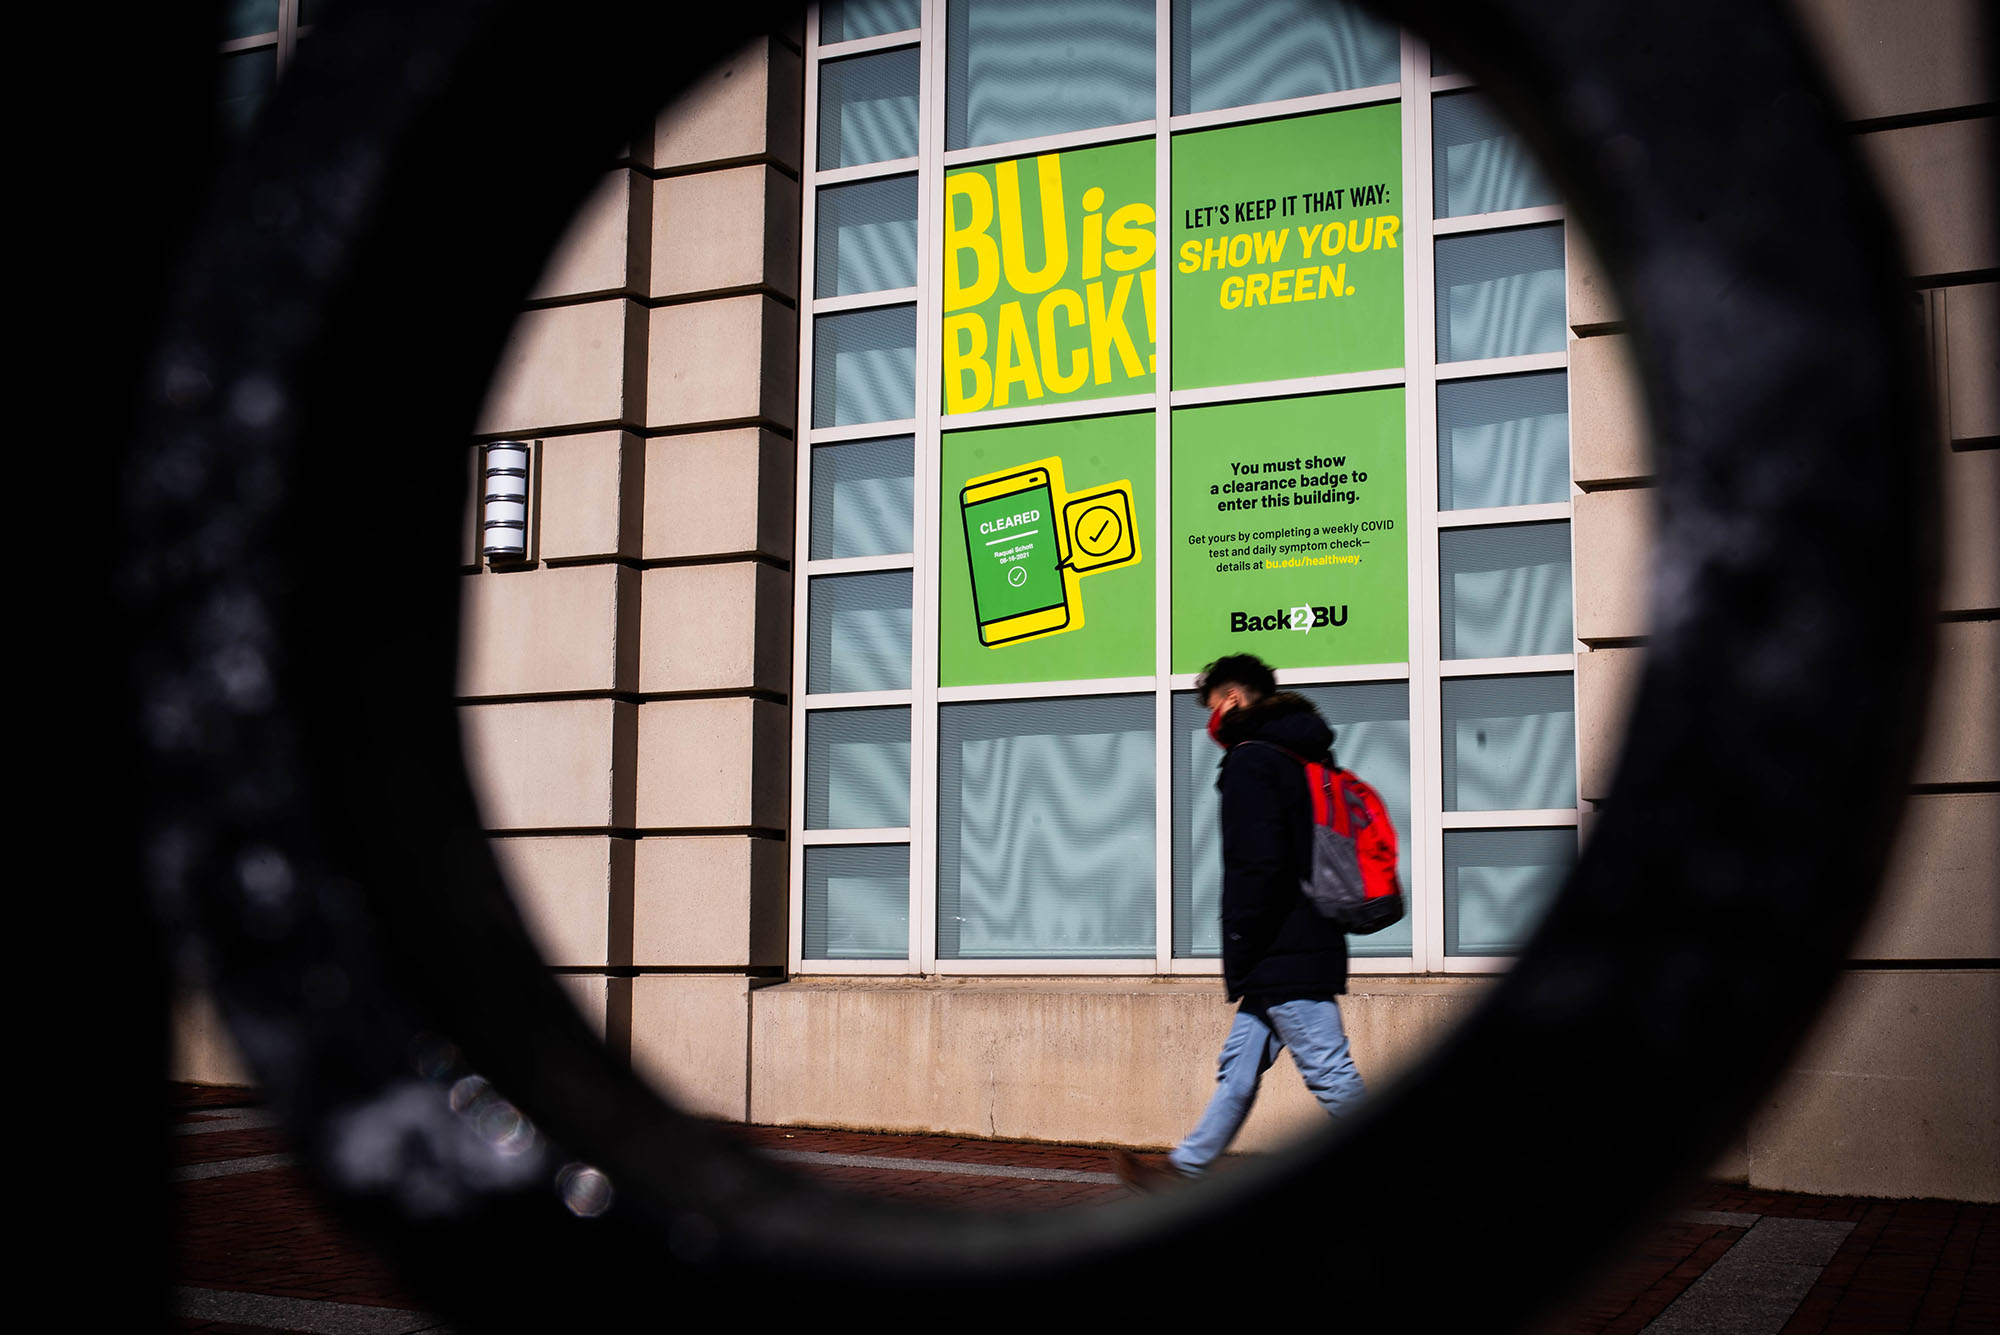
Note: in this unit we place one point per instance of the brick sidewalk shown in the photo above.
(257, 1253)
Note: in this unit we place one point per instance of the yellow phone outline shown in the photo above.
(1045, 620)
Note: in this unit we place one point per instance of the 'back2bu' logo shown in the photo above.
(1304, 618)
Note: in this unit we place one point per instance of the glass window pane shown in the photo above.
(1505, 592)
(1503, 441)
(1441, 63)
(1500, 294)
(857, 903)
(858, 633)
(1477, 163)
(857, 769)
(247, 79)
(248, 18)
(1232, 53)
(865, 366)
(1498, 883)
(868, 109)
(864, 498)
(867, 237)
(1371, 723)
(847, 20)
(1509, 743)
(309, 12)
(1025, 68)
(1045, 829)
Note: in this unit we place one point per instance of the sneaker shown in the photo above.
(1141, 1175)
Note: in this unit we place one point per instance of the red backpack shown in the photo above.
(1353, 877)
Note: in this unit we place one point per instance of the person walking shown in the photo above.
(1282, 962)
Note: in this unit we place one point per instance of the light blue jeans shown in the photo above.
(1312, 1030)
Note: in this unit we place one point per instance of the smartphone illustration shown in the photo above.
(1013, 544)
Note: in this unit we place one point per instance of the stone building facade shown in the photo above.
(631, 692)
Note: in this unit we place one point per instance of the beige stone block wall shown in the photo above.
(200, 1048)
(604, 251)
(721, 362)
(1969, 360)
(1898, 59)
(727, 230)
(594, 997)
(550, 764)
(569, 366)
(719, 493)
(1610, 439)
(1896, 1094)
(469, 534)
(1946, 229)
(1606, 680)
(575, 895)
(1592, 309)
(1970, 580)
(689, 905)
(713, 764)
(1121, 1061)
(1938, 901)
(1613, 545)
(1962, 738)
(716, 627)
(591, 496)
(690, 1038)
(750, 108)
(547, 631)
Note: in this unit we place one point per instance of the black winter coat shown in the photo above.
(1275, 945)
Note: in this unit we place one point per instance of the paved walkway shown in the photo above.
(258, 1254)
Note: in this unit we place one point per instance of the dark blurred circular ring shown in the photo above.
(315, 852)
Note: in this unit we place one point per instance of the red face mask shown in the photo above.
(1215, 725)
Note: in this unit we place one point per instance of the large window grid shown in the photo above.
(260, 39)
(1441, 847)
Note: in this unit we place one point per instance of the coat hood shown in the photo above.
(1283, 719)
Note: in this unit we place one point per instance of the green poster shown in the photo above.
(1048, 278)
(1043, 539)
(1287, 248)
(1290, 532)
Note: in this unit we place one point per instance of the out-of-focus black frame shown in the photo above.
(311, 847)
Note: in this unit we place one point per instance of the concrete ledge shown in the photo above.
(1096, 1060)
(1894, 1093)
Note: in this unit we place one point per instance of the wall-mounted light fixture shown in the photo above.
(504, 525)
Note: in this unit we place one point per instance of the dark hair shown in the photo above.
(1245, 670)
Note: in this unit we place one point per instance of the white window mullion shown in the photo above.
(930, 465)
(1163, 700)
(1420, 356)
(802, 507)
